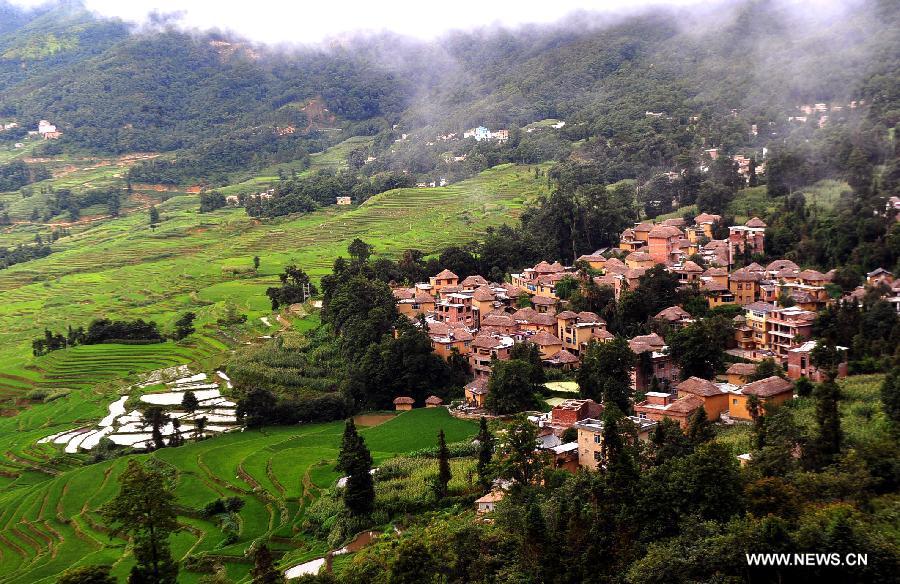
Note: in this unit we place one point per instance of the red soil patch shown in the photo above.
(368, 420)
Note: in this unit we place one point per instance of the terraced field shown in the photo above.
(49, 523)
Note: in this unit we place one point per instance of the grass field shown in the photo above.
(49, 523)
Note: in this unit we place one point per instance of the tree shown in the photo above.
(199, 427)
(826, 444)
(154, 215)
(145, 510)
(264, 570)
(442, 486)
(890, 395)
(189, 402)
(87, 575)
(699, 348)
(485, 452)
(511, 387)
(184, 326)
(767, 368)
(257, 408)
(700, 430)
(355, 460)
(359, 250)
(605, 373)
(156, 418)
(803, 387)
(295, 287)
(413, 564)
(256, 262)
(517, 459)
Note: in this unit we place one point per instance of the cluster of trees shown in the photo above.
(22, 253)
(676, 509)
(17, 174)
(105, 330)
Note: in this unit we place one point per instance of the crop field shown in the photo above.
(123, 268)
(47, 524)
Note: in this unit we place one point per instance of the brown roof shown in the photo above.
(603, 335)
(543, 300)
(779, 265)
(716, 272)
(664, 231)
(755, 222)
(643, 227)
(403, 293)
(635, 273)
(707, 218)
(653, 339)
(446, 275)
(638, 256)
(685, 405)
(768, 387)
(754, 267)
(483, 294)
(699, 387)
(713, 286)
(503, 320)
(566, 315)
(742, 369)
(478, 386)
(743, 275)
(564, 357)
(675, 222)
(690, 266)
(525, 314)
(813, 275)
(614, 263)
(543, 339)
(403, 400)
(483, 341)
(585, 316)
(673, 313)
(434, 400)
(594, 257)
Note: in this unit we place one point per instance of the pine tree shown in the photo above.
(442, 487)
(189, 402)
(485, 453)
(199, 426)
(890, 395)
(356, 460)
(700, 429)
(827, 443)
(154, 215)
(156, 418)
(264, 570)
(145, 510)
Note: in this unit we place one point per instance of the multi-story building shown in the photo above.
(662, 244)
(485, 348)
(577, 330)
(787, 328)
(590, 439)
(746, 240)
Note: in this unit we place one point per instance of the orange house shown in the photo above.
(659, 405)
(740, 373)
(771, 390)
(444, 279)
(715, 400)
(662, 243)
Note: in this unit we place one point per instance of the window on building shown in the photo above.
(597, 438)
(734, 401)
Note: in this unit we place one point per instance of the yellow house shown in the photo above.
(756, 317)
(475, 391)
(745, 286)
(444, 279)
(590, 439)
(576, 330)
(740, 373)
(547, 344)
(403, 403)
(715, 400)
(771, 390)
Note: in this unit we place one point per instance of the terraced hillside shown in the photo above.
(124, 268)
(49, 523)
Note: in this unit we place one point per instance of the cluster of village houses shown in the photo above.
(45, 130)
(480, 320)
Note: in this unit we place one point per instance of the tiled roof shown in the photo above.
(707, 218)
(742, 369)
(699, 387)
(588, 317)
(566, 315)
(446, 275)
(643, 227)
(673, 313)
(779, 265)
(755, 222)
(499, 320)
(768, 387)
(564, 357)
(483, 294)
(478, 386)
(653, 340)
(685, 405)
(543, 338)
(404, 400)
(690, 266)
(743, 275)
(474, 281)
(543, 300)
(638, 256)
(664, 231)
(434, 400)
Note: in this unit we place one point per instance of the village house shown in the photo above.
(530, 320)
(413, 302)
(674, 316)
(740, 373)
(800, 365)
(444, 279)
(563, 360)
(487, 503)
(659, 405)
(879, 276)
(745, 286)
(714, 398)
(716, 294)
(445, 338)
(485, 348)
(548, 345)
(688, 272)
(639, 259)
(403, 403)
(577, 330)
(654, 361)
(746, 240)
(787, 328)
(343, 201)
(571, 411)
(539, 280)
(771, 390)
(662, 243)
(475, 391)
(456, 308)
(590, 439)
(499, 321)
(595, 260)
(433, 401)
